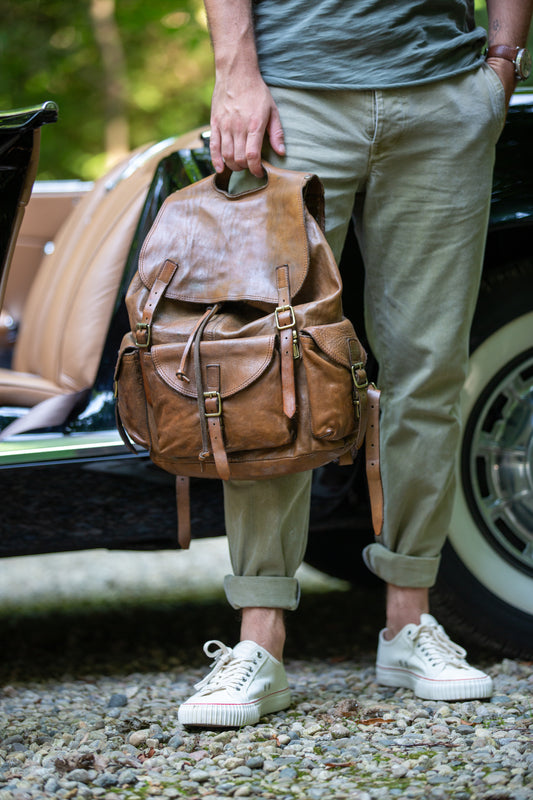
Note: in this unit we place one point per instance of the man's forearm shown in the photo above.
(232, 35)
(242, 110)
(509, 21)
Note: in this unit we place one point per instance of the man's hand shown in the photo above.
(506, 73)
(242, 112)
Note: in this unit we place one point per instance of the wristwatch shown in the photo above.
(519, 56)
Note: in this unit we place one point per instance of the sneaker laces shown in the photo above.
(227, 671)
(436, 645)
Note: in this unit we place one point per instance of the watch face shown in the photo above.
(523, 64)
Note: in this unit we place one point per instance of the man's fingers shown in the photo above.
(275, 133)
(254, 145)
(215, 149)
(235, 155)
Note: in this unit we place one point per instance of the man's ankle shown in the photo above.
(405, 606)
(266, 627)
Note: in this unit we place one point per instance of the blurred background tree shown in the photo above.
(123, 73)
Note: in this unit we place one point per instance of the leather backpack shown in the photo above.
(239, 363)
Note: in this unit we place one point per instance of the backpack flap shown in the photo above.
(226, 245)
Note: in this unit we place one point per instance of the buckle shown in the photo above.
(278, 311)
(355, 368)
(143, 326)
(211, 395)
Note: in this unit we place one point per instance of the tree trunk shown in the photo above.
(108, 38)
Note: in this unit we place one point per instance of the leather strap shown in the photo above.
(183, 503)
(122, 430)
(286, 325)
(213, 412)
(504, 51)
(142, 332)
(360, 385)
(373, 473)
(181, 374)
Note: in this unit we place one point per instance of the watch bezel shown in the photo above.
(523, 63)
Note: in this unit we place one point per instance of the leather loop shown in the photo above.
(373, 473)
(221, 181)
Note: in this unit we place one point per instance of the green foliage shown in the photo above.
(48, 51)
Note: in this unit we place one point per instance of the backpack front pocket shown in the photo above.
(249, 400)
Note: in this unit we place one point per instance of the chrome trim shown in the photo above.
(27, 449)
(66, 186)
(522, 97)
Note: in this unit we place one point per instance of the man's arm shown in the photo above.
(509, 22)
(242, 109)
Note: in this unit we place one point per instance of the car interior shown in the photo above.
(58, 308)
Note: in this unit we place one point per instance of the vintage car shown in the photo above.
(68, 482)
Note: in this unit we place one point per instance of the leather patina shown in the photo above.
(240, 363)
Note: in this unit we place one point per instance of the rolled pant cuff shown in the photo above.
(262, 591)
(411, 571)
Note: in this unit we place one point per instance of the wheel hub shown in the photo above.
(499, 469)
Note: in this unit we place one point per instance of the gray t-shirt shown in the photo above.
(365, 44)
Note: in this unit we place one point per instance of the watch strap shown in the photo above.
(503, 51)
(518, 56)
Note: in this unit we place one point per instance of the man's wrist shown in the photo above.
(518, 56)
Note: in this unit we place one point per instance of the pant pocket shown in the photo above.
(496, 94)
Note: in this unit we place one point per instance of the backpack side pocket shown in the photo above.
(130, 396)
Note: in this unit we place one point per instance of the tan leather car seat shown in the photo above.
(69, 307)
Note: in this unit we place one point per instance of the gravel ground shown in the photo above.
(99, 649)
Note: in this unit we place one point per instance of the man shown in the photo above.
(396, 103)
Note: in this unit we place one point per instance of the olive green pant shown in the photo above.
(421, 159)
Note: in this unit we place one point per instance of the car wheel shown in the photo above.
(485, 585)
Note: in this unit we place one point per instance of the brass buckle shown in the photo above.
(218, 412)
(143, 326)
(277, 312)
(355, 367)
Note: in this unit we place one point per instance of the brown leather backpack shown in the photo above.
(239, 363)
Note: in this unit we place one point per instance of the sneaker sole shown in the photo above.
(232, 716)
(427, 689)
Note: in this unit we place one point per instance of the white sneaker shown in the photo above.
(424, 659)
(244, 683)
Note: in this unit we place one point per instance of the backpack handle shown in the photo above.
(222, 181)
(309, 184)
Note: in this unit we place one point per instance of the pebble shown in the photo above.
(59, 739)
(343, 737)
